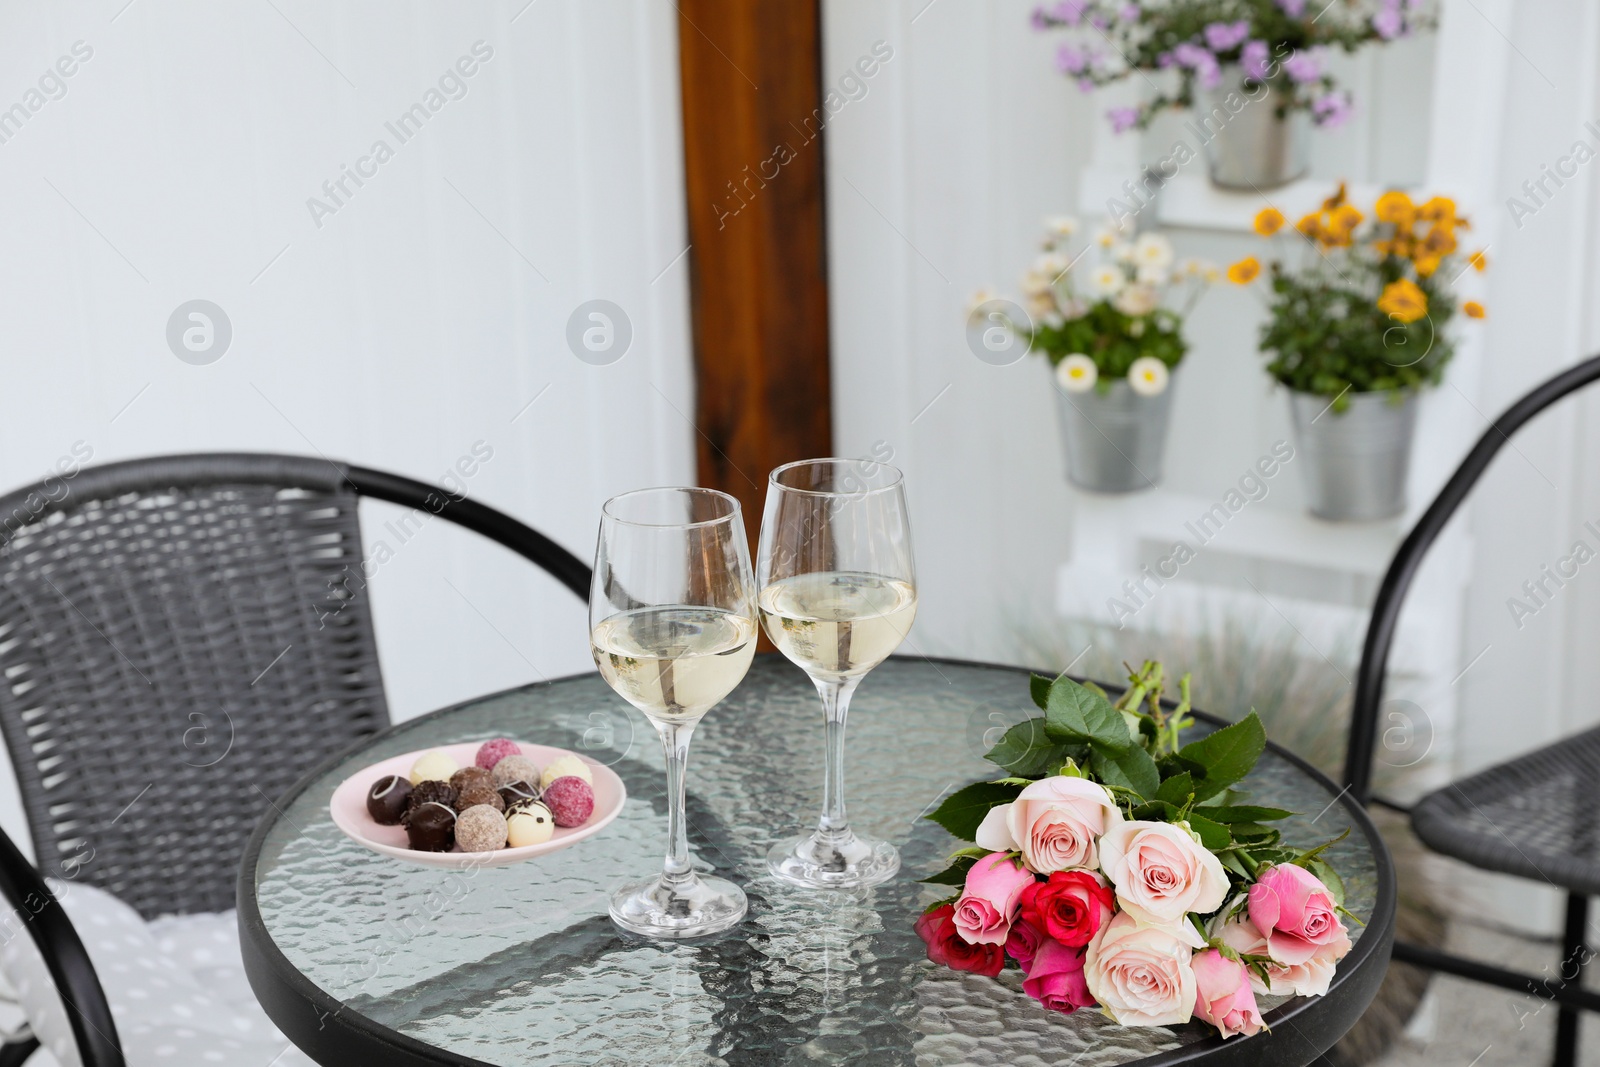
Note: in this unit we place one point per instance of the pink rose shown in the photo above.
(1223, 996)
(1070, 907)
(1309, 979)
(947, 948)
(991, 899)
(1143, 975)
(1022, 943)
(1295, 913)
(1162, 872)
(1054, 823)
(1056, 978)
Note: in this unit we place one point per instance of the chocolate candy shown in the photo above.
(467, 776)
(386, 800)
(518, 794)
(477, 794)
(480, 829)
(431, 827)
(515, 769)
(432, 792)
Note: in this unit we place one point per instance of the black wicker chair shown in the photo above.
(1533, 816)
(156, 617)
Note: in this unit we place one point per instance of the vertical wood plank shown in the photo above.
(752, 119)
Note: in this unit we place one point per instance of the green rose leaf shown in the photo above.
(955, 874)
(963, 811)
(1027, 751)
(1131, 768)
(1242, 813)
(1213, 835)
(1176, 790)
(1075, 714)
(1225, 756)
(1039, 687)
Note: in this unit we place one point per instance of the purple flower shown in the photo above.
(1039, 20)
(1123, 118)
(1087, 85)
(1199, 60)
(1071, 60)
(1253, 57)
(1303, 67)
(1221, 36)
(1389, 23)
(1165, 60)
(1331, 109)
(1070, 11)
(1100, 22)
(1129, 13)
(1293, 8)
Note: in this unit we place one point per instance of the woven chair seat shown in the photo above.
(1535, 816)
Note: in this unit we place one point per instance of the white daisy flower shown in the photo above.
(1136, 300)
(1053, 320)
(1136, 328)
(1077, 373)
(1151, 275)
(1052, 265)
(1061, 226)
(980, 298)
(1123, 252)
(1105, 236)
(1039, 305)
(1148, 376)
(1034, 283)
(1153, 250)
(1190, 267)
(1107, 281)
(1073, 307)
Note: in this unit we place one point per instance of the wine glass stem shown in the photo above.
(675, 742)
(835, 823)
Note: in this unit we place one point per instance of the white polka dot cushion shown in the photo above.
(176, 987)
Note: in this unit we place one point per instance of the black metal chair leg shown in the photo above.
(1575, 955)
(16, 1053)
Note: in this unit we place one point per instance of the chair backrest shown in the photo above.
(183, 637)
(1408, 558)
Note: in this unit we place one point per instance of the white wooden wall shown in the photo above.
(421, 318)
(937, 185)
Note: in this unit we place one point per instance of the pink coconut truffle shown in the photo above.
(570, 800)
(492, 752)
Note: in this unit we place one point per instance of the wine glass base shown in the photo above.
(691, 907)
(813, 861)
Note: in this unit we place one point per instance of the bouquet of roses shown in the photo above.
(1118, 867)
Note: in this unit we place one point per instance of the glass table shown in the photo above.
(361, 959)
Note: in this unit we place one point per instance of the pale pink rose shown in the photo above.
(1054, 823)
(1309, 979)
(1295, 913)
(1223, 996)
(1143, 975)
(991, 899)
(1055, 978)
(1161, 872)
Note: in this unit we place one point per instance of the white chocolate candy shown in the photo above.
(433, 766)
(531, 824)
(564, 766)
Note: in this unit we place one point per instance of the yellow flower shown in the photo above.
(1439, 241)
(1347, 217)
(1333, 202)
(1402, 300)
(1395, 207)
(1479, 261)
(1473, 309)
(1309, 225)
(1401, 247)
(1438, 209)
(1426, 265)
(1245, 271)
(1269, 220)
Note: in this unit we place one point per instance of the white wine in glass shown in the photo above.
(672, 625)
(838, 596)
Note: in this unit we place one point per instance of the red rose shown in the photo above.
(946, 946)
(1022, 942)
(1070, 907)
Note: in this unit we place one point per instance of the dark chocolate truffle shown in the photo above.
(518, 794)
(479, 794)
(432, 791)
(431, 827)
(386, 800)
(466, 776)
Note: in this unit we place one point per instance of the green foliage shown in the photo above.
(1113, 340)
(1226, 756)
(963, 811)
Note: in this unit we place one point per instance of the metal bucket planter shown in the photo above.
(1114, 441)
(1355, 461)
(1250, 147)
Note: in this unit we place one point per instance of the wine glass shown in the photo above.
(673, 630)
(838, 594)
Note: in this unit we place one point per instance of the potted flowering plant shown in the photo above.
(1255, 70)
(1120, 868)
(1108, 330)
(1355, 331)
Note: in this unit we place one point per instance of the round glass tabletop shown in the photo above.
(360, 958)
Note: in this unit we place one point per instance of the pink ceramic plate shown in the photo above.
(349, 810)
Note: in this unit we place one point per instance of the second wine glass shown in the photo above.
(838, 595)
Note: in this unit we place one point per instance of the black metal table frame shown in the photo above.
(322, 1028)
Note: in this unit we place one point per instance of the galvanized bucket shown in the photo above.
(1355, 461)
(1114, 442)
(1250, 148)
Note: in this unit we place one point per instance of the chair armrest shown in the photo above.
(64, 955)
